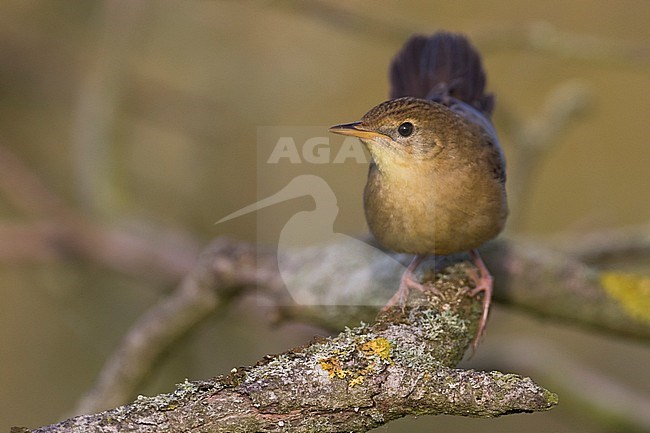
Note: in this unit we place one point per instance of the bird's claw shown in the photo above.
(483, 282)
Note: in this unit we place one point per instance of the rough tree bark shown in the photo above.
(402, 364)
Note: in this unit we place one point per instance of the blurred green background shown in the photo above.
(144, 114)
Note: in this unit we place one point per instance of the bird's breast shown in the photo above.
(419, 209)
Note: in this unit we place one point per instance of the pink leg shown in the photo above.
(406, 284)
(483, 283)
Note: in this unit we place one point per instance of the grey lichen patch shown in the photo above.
(415, 356)
(278, 372)
(184, 392)
(430, 337)
(434, 325)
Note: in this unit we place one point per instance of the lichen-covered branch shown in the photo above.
(543, 281)
(365, 377)
(553, 284)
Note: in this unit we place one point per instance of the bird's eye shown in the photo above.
(405, 129)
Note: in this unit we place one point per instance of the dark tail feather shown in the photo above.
(438, 67)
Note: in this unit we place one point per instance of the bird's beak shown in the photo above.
(355, 129)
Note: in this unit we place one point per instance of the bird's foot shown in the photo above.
(483, 282)
(399, 298)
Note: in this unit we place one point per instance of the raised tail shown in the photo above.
(439, 67)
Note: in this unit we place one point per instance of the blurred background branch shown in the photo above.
(56, 231)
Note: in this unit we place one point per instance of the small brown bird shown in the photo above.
(436, 183)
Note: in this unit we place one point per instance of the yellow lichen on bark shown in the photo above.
(631, 291)
(378, 346)
(374, 353)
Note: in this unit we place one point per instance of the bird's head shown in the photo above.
(404, 131)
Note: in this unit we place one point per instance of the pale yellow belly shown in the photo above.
(438, 219)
